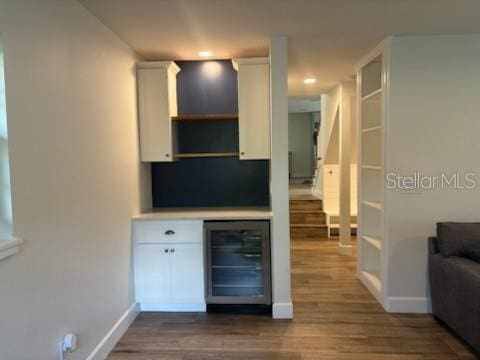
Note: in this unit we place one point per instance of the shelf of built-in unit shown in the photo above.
(372, 94)
(374, 204)
(373, 277)
(371, 167)
(205, 117)
(371, 129)
(373, 240)
(206, 155)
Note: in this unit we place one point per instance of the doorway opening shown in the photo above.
(303, 126)
(323, 169)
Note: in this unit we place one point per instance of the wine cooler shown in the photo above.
(238, 262)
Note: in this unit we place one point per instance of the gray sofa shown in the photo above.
(454, 271)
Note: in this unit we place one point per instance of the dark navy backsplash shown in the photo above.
(209, 87)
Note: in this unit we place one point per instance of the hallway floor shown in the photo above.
(335, 318)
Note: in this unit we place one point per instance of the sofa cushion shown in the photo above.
(455, 290)
(459, 239)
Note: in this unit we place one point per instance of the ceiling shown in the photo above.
(326, 37)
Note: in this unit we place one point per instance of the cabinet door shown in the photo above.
(154, 115)
(187, 273)
(152, 274)
(254, 110)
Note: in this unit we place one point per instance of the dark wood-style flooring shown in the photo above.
(335, 318)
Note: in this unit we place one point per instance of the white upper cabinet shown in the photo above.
(157, 104)
(254, 107)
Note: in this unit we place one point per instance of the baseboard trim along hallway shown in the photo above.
(344, 249)
(106, 345)
(412, 305)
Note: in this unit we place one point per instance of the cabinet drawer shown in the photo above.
(174, 231)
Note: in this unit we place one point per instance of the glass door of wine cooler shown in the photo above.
(238, 262)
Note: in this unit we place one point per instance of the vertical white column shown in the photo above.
(282, 301)
(344, 245)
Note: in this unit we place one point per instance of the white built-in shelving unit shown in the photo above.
(371, 87)
(404, 128)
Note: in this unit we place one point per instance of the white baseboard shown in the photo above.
(412, 305)
(106, 345)
(317, 193)
(374, 290)
(198, 307)
(9, 247)
(282, 310)
(344, 249)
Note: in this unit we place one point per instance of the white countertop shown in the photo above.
(247, 213)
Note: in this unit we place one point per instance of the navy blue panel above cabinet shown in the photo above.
(206, 87)
(207, 136)
(211, 182)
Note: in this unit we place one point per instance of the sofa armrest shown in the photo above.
(433, 245)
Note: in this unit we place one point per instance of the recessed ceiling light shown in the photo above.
(205, 53)
(310, 81)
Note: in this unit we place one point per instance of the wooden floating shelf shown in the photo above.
(205, 117)
(206, 155)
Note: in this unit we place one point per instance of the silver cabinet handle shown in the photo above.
(169, 232)
(172, 250)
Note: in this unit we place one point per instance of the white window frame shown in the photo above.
(10, 245)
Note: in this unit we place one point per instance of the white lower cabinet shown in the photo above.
(186, 268)
(152, 273)
(169, 267)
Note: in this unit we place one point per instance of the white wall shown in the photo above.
(332, 151)
(71, 107)
(331, 196)
(329, 140)
(281, 286)
(329, 103)
(433, 127)
(300, 143)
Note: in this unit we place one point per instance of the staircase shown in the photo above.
(307, 220)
